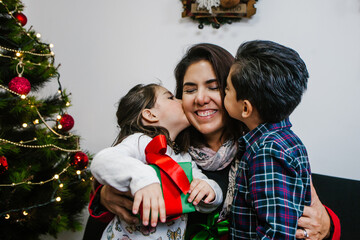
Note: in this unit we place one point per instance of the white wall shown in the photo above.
(106, 47)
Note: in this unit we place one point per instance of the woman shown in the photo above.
(200, 82)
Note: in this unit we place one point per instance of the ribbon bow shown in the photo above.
(173, 178)
(213, 230)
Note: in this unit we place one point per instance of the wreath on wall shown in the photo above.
(218, 12)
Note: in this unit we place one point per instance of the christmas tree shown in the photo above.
(44, 184)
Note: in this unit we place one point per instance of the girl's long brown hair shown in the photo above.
(130, 109)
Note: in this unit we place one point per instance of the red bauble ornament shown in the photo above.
(3, 164)
(79, 160)
(67, 122)
(21, 18)
(20, 85)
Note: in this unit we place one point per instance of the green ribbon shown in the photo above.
(213, 230)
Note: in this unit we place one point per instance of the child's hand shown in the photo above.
(152, 200)
(198, 190)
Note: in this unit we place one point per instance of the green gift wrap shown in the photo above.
(174, 209)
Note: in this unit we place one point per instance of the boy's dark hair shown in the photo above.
(271, 76)
(129, 113)
(221, 61)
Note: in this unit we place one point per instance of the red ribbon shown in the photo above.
(173, 178)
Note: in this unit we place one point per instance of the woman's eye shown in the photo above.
(214, 88)
(189, 90)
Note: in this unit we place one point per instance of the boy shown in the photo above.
(272, 185)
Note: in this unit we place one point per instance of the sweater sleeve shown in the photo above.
(124, 165)
(336, 232)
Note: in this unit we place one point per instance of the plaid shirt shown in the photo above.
(272, 184)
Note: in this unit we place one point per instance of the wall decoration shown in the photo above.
(218, 12)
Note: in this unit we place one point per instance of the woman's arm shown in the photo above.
(317, 221)
(107, 201)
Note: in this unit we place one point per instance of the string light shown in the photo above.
(61, 185)
(78, 172)
(27, 61)
(24, 125)
(16, 51)
(7, 216)
(38, 35)
(67, 104)
(25, 213)
(51, 45)
(58, 199)
(38, 183)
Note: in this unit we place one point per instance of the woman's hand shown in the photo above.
(315, 220)
(118, 203)
(153, 204)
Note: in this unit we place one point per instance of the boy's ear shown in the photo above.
(247, 110)
(149, 116)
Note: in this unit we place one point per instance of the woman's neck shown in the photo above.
(215, 142)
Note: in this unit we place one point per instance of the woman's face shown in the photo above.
(202, 100)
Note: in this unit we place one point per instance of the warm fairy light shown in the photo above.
(58, 199)
(59, 126)
(23, 96)
(36, 121)
(51, 45)
(52, 53)
(59, 91)
(56, 176)
(61, 185)
(78, 172)
(7, 216)
(38, 35)
(58, 117)
(24, 125)
(25, 213)
(18, 54)
(67, 104)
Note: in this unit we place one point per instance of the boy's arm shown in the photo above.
(207, 207)
(277, 193)
(123, 166)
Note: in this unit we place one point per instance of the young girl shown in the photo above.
(143, 113)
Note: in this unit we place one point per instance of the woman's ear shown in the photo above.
(149, 116)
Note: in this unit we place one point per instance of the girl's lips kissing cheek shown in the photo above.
(205, 113)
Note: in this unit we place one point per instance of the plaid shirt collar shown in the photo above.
(248, 139)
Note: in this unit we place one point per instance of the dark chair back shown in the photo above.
(343, 197)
